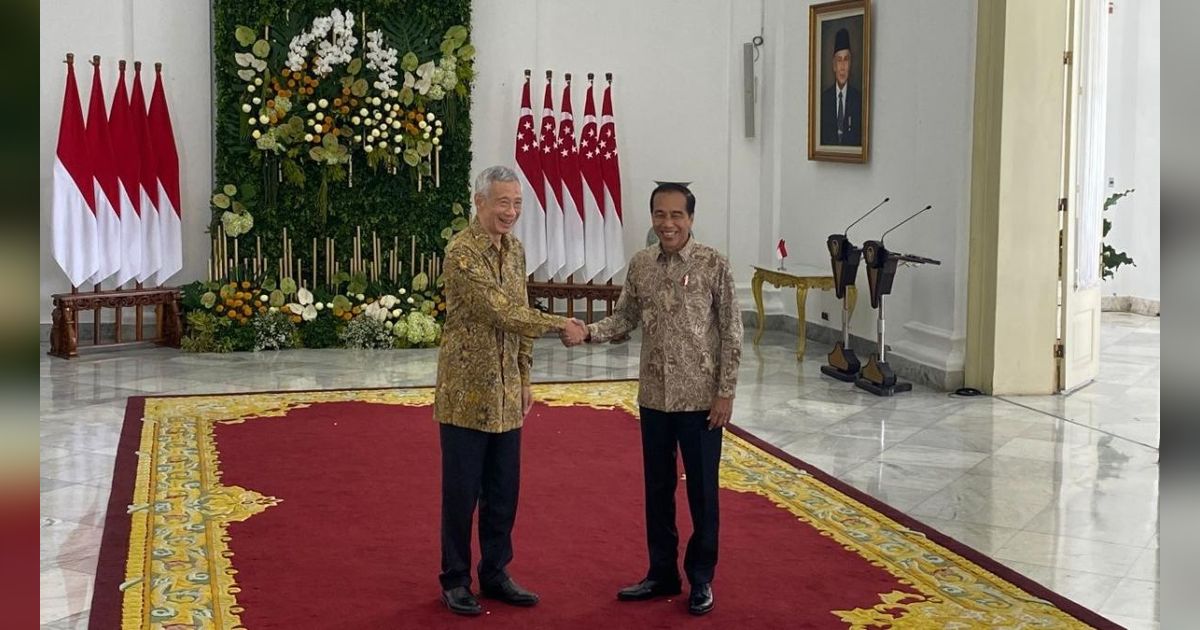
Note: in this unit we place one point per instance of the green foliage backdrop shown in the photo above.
(378, 200)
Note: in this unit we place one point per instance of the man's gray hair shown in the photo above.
(491, 174)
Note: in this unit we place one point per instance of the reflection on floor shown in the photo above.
(1062, 489)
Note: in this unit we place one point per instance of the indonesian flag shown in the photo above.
(614, 255)
(572, 189)
(104, 174)
(125, 156)
(781, 250)
(147, 181)
(531, 225)
(170, 227)
(73, 216)
(556, 257)
(593, 192)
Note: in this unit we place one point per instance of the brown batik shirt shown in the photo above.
(487, 340)
(691, 326)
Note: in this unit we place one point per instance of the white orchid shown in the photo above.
(388, 301)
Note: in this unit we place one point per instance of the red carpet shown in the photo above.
(353, 540)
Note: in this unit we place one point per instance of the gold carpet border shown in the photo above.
(178, 532)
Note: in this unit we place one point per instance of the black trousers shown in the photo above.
(701, 450)
(484, 469)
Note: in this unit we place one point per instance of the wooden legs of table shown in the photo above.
(756, 288)
(802, 324)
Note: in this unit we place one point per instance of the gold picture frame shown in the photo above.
(839, 84)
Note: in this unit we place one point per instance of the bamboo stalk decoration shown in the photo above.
(412, 260)
(258, 261)
(300, 270)
(422, 262)
(314, 263)
(235, 254)
(395, 253)
(437, 166)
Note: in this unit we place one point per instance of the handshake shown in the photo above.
(574, 333)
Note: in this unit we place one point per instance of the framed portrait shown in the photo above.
(839, 88)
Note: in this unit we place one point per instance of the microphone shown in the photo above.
(847, 230)
(905, 221)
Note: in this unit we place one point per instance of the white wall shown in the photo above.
(1133, 145)
(923, 55)
(175, 33)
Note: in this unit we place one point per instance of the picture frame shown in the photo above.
(839, 84)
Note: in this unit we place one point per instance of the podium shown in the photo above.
(844, 256)
(877, 376)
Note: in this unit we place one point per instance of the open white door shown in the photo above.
(1083, 184)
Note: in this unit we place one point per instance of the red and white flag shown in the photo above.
(170, 227)
(614, 256)
(104, 173)
(531, 225)
(125, 156)
(781, 250)
(593, 191)
(147, 180)
(555, 247)
(73, 216)
(572, 189)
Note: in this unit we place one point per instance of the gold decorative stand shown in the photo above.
(802, 278)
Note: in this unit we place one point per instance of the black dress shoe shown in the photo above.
(460, 601)
(647, 589)
(509, 592)
(701, 600)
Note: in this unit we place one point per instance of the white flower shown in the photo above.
(317, 128)
(376, 101)
(439, 131)
(246, 108)
(256, 100)
(250, 88)
(329, 305)
(437, 141)
(304, 295)
(310, 313)
(383, 144)
(384, 135)
(388, 301)
(422, 125)
(320, 306)
(395, 124)
(357, 138)
(368, 148)
(397, 150)
(378, 116)
(310, 122)
(429, 116)
(323, 103)
(308, 137)
(273, 309)
(296, 309)
(356, 120)
(252, 121)
(257, 80)
(425, 135)
(396, 312)
(312, 107)
(403, 291)
(360, 297)
(410, 300)
(264, 119)
(320, 116)
(256, 134)
(363, 112)
(437, 123)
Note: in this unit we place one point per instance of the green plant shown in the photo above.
(273, 330)
(367, 332)
(206, 333)
(322, 332)
(1110, 258)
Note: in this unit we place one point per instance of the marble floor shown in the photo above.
(1063, 489)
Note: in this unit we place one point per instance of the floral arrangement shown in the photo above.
(235, 216)
(333, 98)
(246, 315)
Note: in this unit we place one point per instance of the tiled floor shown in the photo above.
(1062, 489)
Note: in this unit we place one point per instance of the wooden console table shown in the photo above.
(64, 331)
(803, 278)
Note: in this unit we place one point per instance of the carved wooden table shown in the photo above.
(803, 278)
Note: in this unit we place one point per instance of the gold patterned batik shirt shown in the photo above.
(487, 341)
(691, 326)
